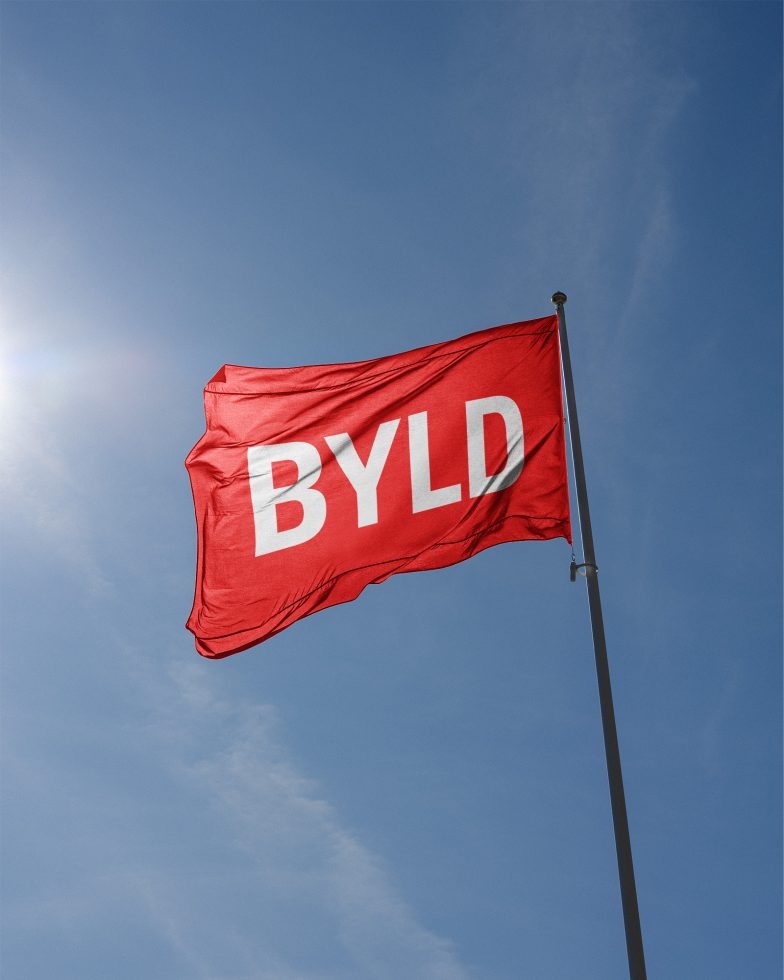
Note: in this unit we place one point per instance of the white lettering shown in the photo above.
(364, 479)
(423, 497)
(265, 497)
(479, 482)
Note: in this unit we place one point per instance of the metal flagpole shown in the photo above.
(623, 847)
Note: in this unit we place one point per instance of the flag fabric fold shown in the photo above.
(311, 483)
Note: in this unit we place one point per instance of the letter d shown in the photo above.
(265, 497)
(479, 480)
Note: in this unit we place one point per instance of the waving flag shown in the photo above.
(312, 482)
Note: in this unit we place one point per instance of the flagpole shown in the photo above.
(623, 847)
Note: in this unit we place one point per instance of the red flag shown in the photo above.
(312, 482)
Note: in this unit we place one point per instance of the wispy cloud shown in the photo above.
(193, 825)
(297, 848)
(586, 122)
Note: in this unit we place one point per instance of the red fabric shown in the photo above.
(242, 597)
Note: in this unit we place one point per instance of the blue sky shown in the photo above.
(412, 786)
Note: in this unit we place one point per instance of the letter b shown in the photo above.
(265, 497)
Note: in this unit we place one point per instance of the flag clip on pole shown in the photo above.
(623, 847)
(574, 568)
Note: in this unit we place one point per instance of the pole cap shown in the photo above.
(559, 298)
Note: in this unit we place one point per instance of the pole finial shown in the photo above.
(559, 298)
